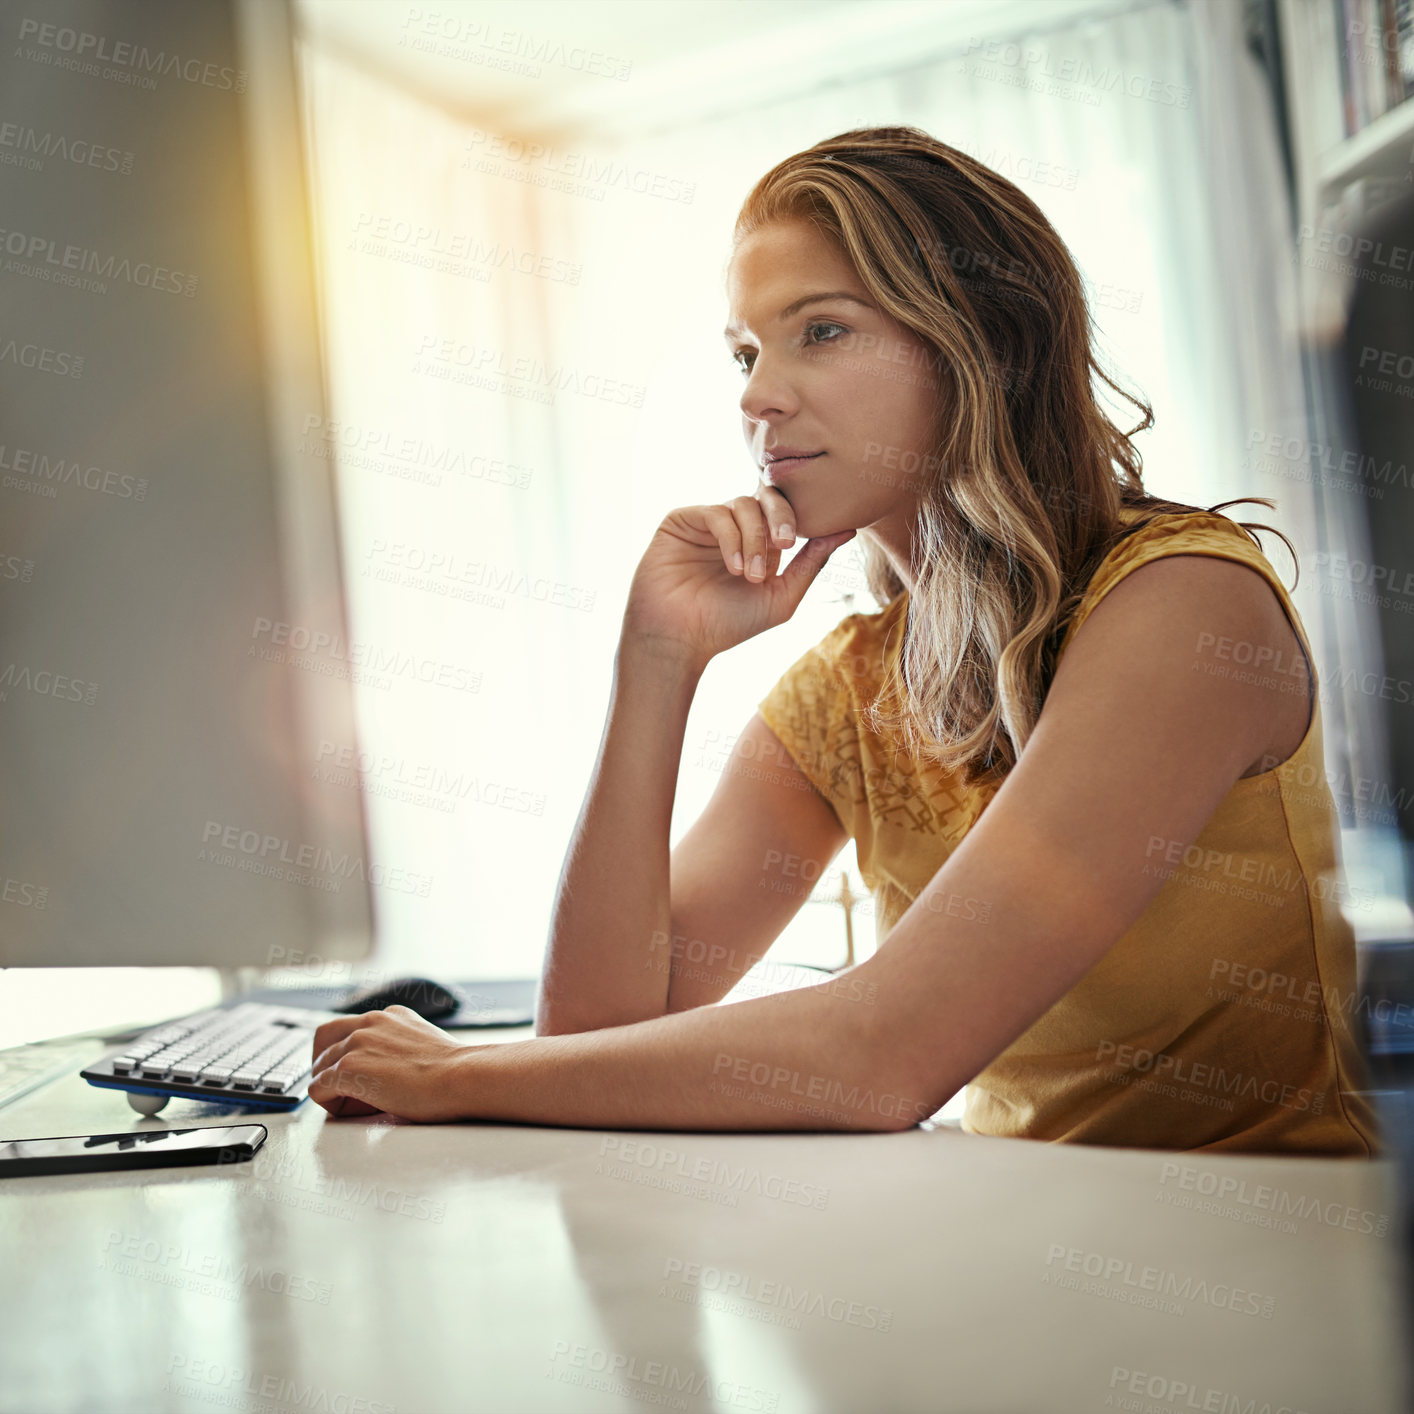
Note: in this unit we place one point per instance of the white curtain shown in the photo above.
(1143, 135)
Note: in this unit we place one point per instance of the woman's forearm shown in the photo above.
(819, 1058)
(612, 911)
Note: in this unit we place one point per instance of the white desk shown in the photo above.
(364, 1265)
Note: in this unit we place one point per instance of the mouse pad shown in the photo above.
(494, 1003)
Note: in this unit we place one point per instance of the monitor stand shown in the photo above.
(237, 981)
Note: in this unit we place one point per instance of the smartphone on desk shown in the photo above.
(135, 1149)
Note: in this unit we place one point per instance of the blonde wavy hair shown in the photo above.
(1020, 499)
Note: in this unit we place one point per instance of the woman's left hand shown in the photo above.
(392, 1061)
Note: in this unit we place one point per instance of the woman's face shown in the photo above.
(835, 375)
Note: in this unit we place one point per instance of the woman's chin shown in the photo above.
(811, 528)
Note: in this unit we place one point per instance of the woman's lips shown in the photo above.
(778, 470)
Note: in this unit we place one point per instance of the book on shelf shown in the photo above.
(1376, 57)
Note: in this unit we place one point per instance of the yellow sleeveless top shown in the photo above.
(1224, 1018)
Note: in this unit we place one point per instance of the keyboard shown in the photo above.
(26, 1068)
(254, 1053)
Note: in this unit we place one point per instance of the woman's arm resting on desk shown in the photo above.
(609, 960)
(1132, 745)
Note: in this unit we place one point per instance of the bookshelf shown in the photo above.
(1347, 79)
(1383, 149)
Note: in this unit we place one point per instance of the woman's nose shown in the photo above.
(766, 392)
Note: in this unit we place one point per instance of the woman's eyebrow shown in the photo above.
(732, 330)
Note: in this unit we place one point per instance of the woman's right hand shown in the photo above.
(708, 579)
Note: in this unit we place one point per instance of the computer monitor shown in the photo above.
(178, 777)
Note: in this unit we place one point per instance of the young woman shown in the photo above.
(1079, 748)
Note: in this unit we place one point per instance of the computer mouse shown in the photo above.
(430, 1000)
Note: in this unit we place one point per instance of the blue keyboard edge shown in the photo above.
(230, 1098)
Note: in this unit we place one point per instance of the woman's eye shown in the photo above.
(741, 356)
